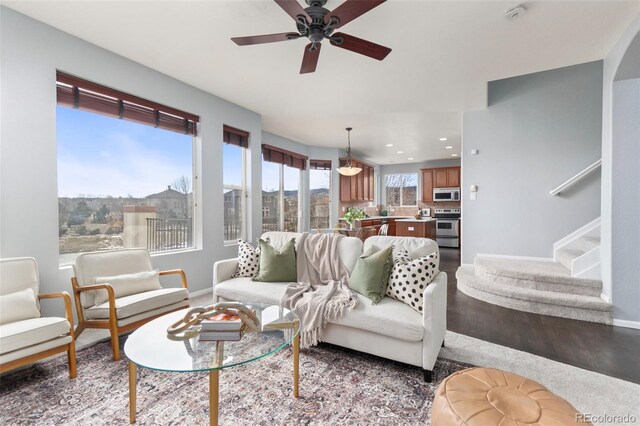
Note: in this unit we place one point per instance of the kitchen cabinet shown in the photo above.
(358, 187)
(441, 177)
(416, 228)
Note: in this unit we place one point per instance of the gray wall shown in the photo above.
(538, 130)
(389, 169)
(626, 199)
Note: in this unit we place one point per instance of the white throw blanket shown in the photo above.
(322, 292)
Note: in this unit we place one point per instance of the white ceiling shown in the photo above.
(444, 53)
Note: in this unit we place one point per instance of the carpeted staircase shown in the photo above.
(567, 286)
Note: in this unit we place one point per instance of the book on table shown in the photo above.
(221, 335)
(222, 322)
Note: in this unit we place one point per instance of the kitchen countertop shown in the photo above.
(381, 217)
(424, 219)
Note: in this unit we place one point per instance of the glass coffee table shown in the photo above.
(151, 347)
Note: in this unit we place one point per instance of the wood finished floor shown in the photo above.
(614, 351)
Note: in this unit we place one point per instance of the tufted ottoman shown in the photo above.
(486, 397)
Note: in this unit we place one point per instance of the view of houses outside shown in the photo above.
(401, 190)
(121, 184)
(271, 197)
(319, 198)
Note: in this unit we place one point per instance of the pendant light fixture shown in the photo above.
(348, 169)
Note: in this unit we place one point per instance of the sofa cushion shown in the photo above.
(371, 274)
(138, 303)
(29, 332)
(417, 247)
(409, 279)
(108, 263)
(248, 259)
(277, 265)
(18, 306)
(388, 317)
(349, 249)
(245, 290)
(127, 284)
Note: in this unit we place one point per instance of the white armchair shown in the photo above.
(26, 336)
(119, 290)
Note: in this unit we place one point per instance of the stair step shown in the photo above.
(587, 243)
(574, 306)
(535, 274)
(566, 256)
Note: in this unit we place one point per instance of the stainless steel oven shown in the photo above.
(448, 227)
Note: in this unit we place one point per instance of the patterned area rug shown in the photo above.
(337, 386)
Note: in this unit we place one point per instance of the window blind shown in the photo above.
(234, 136)
(274, 154)
(320, 164)
(85, 95)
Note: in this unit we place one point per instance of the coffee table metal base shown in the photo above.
(214, 386)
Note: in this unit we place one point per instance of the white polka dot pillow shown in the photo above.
(409, 278)
(248, 260)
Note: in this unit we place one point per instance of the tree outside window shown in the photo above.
(401, 190)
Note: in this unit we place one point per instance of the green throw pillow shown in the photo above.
(371, 273)
(277, 266)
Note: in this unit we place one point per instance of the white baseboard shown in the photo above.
(627, 324)
(504, 256)
(200, 292)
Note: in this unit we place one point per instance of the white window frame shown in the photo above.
(401, 200)
(308, 204)
(243, 191)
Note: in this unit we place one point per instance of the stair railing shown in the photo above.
(577, 177)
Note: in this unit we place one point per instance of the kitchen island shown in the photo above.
(377, 222)
(423, 228)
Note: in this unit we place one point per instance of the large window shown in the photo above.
(319, 193)
(401, 190)
(234, 187)
(120, 183)
(281, 189)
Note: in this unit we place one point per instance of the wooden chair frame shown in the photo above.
(112, 323)
(70, 347)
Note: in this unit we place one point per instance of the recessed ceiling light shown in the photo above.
(410, 158)
(454, 155)
(448, 147)
(400, 152)
(443, 139)
(389, 144)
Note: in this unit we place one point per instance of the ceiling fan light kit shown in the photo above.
(316, 24)
(348, 169)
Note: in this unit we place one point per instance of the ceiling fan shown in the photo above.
(317, 23)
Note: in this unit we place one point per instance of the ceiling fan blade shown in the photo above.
(310, 58)
(350, 10)
(267, 38)
(360, 46)
(293, 9)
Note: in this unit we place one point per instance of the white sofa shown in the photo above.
(390, 329)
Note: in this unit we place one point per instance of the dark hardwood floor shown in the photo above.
(614, 351)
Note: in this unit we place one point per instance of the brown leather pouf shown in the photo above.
(486, 397)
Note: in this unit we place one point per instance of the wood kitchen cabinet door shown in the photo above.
(365, 179)
(427, 185)
(371, 184)
(453, 177)
(440, 178)
(360, 179)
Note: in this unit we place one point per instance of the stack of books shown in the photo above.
(222, 327)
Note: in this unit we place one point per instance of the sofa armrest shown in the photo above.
(435, 319)
(224, 269)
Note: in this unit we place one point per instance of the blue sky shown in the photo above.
(100, 156)
(104, 156)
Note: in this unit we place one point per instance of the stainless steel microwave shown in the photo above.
(446, 194)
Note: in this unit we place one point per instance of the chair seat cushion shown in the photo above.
(29, 332)
(138, 303)
(389, 317)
